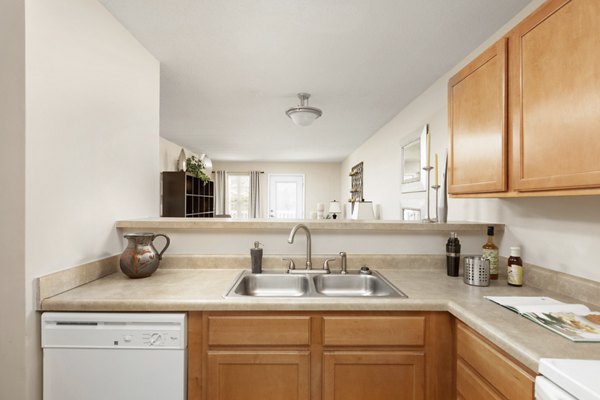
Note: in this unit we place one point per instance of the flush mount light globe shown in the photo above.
(303, 115)
(206, 161)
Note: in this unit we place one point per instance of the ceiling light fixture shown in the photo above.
(303, 115)
(206, 161)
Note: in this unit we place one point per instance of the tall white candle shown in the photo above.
(428, 151)
(436, 169)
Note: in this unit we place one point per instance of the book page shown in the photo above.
(578, 328)
(516, 303)
(578, 309)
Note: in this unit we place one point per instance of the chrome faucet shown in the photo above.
(343, 263)
(308, 243)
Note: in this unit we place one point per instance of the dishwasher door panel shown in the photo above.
(115, 374)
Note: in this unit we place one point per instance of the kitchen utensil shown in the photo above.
(477, 271)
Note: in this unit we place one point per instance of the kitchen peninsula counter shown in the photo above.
(171, 290)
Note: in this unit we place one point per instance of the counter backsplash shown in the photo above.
(587, 291)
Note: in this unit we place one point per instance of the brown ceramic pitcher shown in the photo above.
(140, 259)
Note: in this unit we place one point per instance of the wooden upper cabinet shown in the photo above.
(555, 97)
(477, 118)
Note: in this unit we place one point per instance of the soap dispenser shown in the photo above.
(256, 255)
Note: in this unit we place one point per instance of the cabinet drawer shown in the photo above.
(470, 386)
(504, 375)
(258, 331)
(374, 331)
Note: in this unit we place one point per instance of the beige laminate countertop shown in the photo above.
(427, 290)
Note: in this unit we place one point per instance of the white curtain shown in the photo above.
(255, 211)
(220, 192)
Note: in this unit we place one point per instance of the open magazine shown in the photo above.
(573, 321)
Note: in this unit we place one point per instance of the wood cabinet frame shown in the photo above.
(384, 363)
(479, 158)
(486, 371)
(568, 84)
(527, 176)
(438, 340)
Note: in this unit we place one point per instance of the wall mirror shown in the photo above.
(413, 157)
(412, 209)
(411, 214)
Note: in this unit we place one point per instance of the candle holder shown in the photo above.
(437, 217)
(427, 216)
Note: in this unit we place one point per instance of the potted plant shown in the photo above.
(196, 167)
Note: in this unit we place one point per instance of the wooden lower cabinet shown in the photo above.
(347, 356)
(374, 375)
(470, 386)
(484, 371)
(258, 375)
(320, 355)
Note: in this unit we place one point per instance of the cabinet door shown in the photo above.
(258, 375)
(477, 115)
(555, 97)
(469, 386)
(373, 375)
(494, 367)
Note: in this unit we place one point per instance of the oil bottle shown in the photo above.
(490, 252)
(515, 267)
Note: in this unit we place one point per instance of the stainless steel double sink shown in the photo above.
(352, 284)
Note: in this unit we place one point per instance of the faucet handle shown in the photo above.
(326, 264)
(291, 264)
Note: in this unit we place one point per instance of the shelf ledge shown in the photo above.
(315, 225)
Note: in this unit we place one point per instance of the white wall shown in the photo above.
(321, 180)
(169, 154)
(12, 199)
(557, 233)
(92, 103)
(324, 242)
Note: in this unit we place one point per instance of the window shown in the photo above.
(286, 196)
(238, 192)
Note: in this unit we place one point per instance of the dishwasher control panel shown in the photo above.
(164, 339)
(99, 330)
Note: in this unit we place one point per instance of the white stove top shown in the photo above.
(580, 378)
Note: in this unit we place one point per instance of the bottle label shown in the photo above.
(515, 274)
(492, 255)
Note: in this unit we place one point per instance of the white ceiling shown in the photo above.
(230, 68)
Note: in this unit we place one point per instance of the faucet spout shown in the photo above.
(295, 229)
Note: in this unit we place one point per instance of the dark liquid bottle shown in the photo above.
(452, 255)
(490, 252)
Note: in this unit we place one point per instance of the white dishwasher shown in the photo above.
(116, 356)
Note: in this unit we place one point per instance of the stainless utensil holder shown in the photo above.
(476, 271)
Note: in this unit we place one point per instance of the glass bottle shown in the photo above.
(490, 252)
(515, 267)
